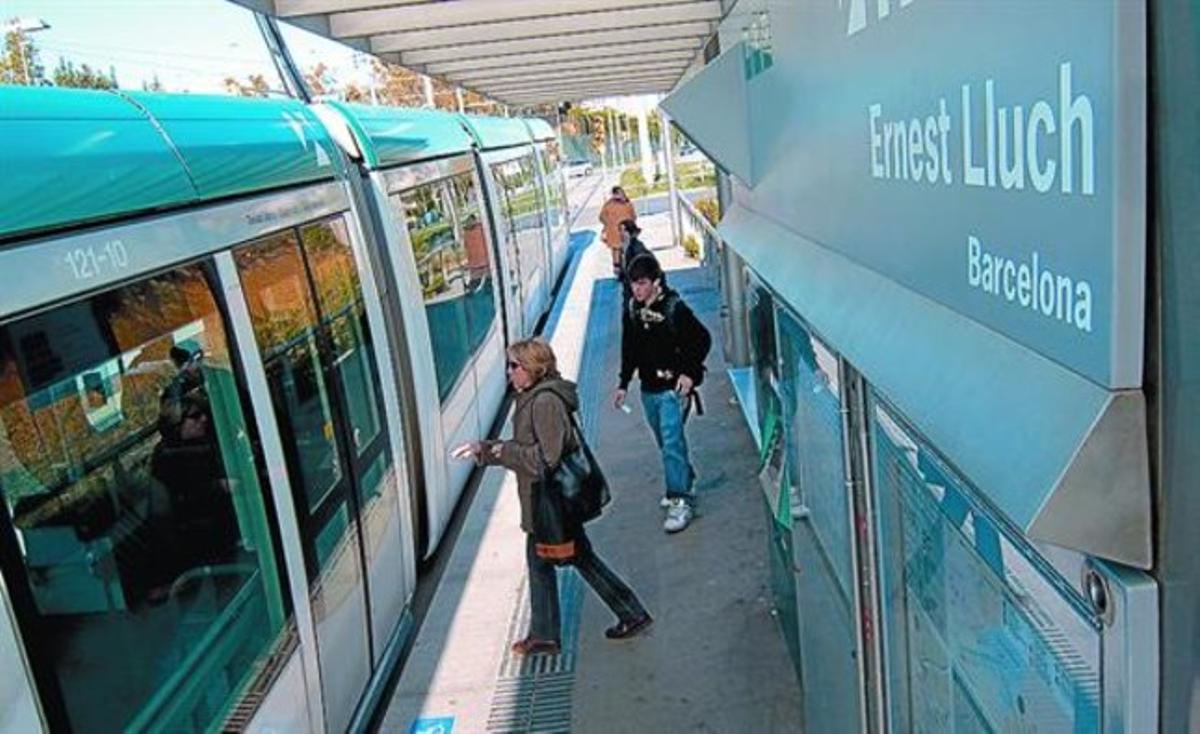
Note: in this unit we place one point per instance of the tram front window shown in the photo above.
(133, 520)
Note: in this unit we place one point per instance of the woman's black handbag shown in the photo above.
(566, 497)
(580, 482)
(553, 532)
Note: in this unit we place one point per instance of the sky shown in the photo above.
(192, 45)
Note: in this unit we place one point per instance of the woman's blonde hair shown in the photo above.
(536, 356)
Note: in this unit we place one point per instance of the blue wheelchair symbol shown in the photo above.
(440, 725)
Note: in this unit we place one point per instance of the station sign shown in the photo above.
(988, 154)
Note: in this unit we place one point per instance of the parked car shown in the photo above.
(578, 168)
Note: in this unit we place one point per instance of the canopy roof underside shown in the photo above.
(524, 52)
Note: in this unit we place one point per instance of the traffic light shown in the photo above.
(598, 133)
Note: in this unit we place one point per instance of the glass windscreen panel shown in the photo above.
(760, 314)
(980, 634)
(134, 521)
(450, 249)
(812, 410)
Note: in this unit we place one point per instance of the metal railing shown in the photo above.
(722, 268)
(697, 225)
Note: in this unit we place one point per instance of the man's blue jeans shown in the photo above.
(665, 414)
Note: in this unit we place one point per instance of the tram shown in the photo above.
(237, 338)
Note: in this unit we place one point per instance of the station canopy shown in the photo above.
(522, 52)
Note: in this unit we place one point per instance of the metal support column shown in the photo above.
(734, 275)
(427, 83)
(612, 139)
(647, 155)
(668, 149)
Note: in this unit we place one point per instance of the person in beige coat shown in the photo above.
(617, 209)
(542, 433)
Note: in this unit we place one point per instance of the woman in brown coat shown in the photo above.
(617, 209)
(542, 434)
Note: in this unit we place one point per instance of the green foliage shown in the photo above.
(254, 86)
(428, 237)
(695, 175)
(66, 74)
(711, 210)
(691, 246)
(19, 62)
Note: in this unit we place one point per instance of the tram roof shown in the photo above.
(389, 136)
(539, 129)
(75, 156)
(522, 53)
(491, 133)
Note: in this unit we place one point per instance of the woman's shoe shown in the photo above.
(531, 646)
(628, 627)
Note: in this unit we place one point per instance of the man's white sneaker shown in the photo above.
(679, 514)
(665, 502)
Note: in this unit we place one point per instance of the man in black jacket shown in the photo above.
(665, 344)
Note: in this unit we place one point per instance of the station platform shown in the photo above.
(714, 659)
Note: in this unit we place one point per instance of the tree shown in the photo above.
(19, 63)
(254, 86)
(477, 103)
(318, 80)
(355, 93)
(154, 85)
(400, 87)
(66, 74)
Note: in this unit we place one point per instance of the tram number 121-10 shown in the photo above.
(92, 262)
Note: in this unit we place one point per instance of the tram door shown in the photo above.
(306, 306)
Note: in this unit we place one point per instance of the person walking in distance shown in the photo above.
(631, 247)
(617, 209)
(665, 344)
(542, 434)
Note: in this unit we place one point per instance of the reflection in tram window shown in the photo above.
(446, 229)
(524, 212)
(481, 301)
(556, 203)
(760, 315)
(284, 319)
(132, 506)
(328, 249)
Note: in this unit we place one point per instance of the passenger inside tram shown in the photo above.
(198, 525)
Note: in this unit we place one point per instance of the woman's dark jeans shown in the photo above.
(545, 622)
